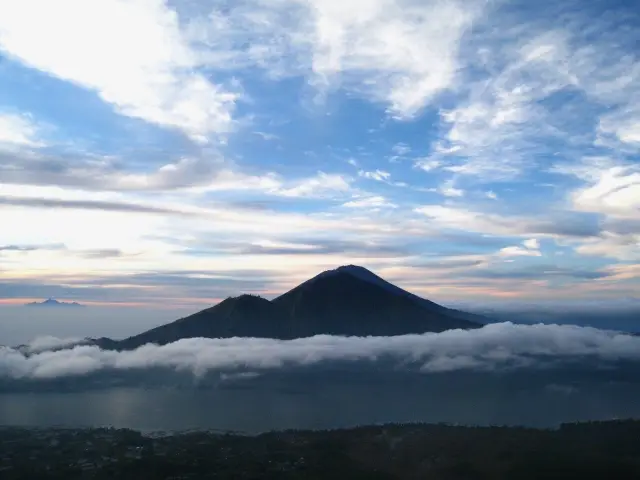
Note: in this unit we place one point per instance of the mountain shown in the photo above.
(349, 300)
(50, 302)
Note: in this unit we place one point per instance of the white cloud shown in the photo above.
(18, 131)
(164, 240)
(588, 168)
(616, 192)
(448, 189)
(397, 52)
(132, 53)
(623, 124)
(462, 219)
(47, 343)
(522, 86)
(623, 272)
(102, 173)
(458, 218)
(496, 132)
(451, 192)
(369, 202)
(428, 164)
(609, 75)
(322, 185)
(518, 252)
(379, 175)
(266, 136)
(92, 229)
(538, 91)
(624, 247)
(532, 244)
(612, 190)
(495, 346)
(630, 133)
(401, 149)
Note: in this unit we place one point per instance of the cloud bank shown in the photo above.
(494, 347)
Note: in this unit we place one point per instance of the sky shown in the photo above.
(168, 154)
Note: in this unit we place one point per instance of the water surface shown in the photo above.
(252, 407)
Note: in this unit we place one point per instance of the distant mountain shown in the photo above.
(50, 302)
(349, 300)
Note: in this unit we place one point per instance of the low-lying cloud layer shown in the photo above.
(495, 346)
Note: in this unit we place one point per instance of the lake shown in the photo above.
(254, 406)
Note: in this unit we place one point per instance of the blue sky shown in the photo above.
(179, 152)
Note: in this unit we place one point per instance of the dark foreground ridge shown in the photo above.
(584, 451)
(349, 300)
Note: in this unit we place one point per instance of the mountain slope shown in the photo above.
(371, 277)
(349, 300)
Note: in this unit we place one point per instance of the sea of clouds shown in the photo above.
(494, 347)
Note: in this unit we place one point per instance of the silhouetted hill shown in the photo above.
(349, 300)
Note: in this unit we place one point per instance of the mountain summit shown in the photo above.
(349, 300)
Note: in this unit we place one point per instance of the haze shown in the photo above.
(20, 324)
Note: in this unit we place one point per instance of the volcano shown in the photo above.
(348, 301)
